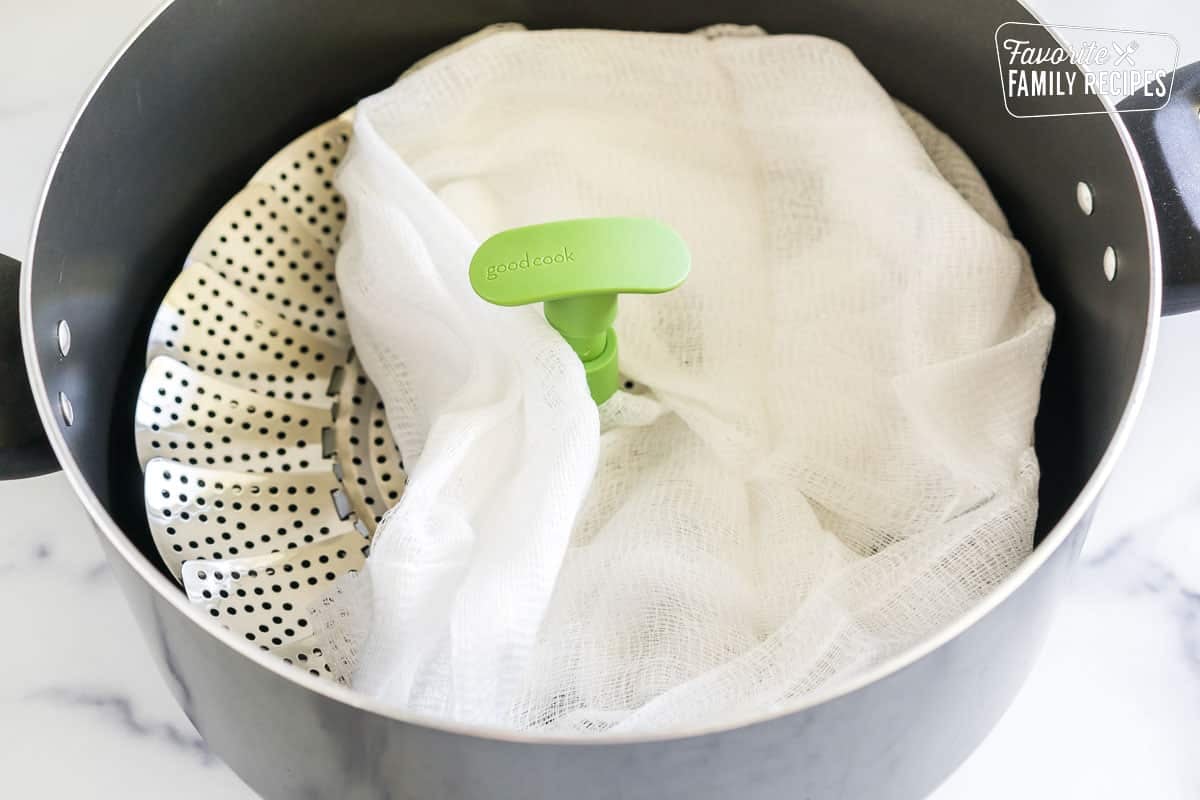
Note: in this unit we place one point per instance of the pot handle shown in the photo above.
(1168, 141)
(24, 450)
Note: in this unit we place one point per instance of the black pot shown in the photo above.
(209, 90)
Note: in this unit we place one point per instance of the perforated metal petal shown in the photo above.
(302, 175)
(257, 243)
(266, 599)
(216, 328)
(368, 460)
(196, 419)
(204, 513)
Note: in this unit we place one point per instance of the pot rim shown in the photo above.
(169, 591)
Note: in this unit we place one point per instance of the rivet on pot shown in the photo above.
(63, 334)
(1110, 263)
(66, 409)
(1085, 198)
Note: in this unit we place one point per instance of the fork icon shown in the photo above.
(1124, 53)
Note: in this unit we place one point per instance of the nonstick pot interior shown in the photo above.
(210, 89)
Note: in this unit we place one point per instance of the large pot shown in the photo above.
(207, 90)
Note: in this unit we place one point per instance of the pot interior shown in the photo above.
(209, 90)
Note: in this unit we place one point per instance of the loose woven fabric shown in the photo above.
(829, 451)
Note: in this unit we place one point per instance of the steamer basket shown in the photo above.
(267, 456)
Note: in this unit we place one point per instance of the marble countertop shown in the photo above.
(1111, 711)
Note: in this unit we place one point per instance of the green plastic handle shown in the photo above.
(577, 268)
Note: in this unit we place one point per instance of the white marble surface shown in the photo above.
(1112, 710)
